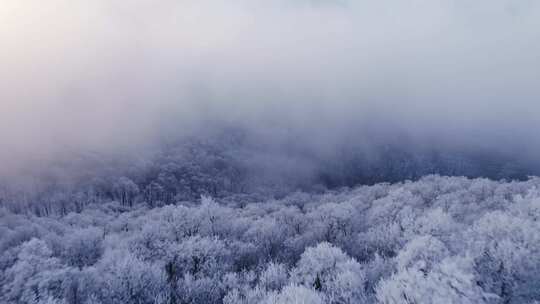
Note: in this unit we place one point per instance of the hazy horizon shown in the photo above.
(105, 77)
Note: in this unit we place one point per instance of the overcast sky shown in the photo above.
(104, 75)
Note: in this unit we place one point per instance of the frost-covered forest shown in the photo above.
(434, 240)
(269, 152)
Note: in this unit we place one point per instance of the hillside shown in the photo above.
(434, 240)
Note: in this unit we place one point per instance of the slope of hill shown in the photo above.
(438, 239)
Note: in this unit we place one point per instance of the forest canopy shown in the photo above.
(438, 239)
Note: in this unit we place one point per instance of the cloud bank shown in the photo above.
(105, 76)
